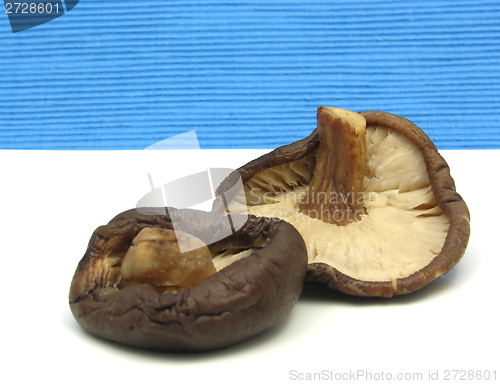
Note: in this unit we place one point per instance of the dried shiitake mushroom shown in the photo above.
(155, 279)
(370, 194)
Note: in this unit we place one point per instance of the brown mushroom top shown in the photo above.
(242, 298)
(409, 226)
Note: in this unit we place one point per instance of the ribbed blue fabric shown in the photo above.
(248, 74)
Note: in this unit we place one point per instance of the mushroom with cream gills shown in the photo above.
(155, 279)
(370, 194)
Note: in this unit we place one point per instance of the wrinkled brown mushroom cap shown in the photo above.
(237, 302)
(443, 190)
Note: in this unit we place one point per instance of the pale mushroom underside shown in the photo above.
(403, 228)
(225, 259)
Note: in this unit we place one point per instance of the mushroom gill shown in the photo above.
(395, 224)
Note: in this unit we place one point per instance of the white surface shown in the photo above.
(52, 201)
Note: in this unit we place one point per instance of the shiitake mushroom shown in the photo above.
(370, 194)
(155, 279)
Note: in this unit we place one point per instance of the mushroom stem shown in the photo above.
(155, 257)
(335, 193)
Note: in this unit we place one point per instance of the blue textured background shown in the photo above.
(248, 74)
